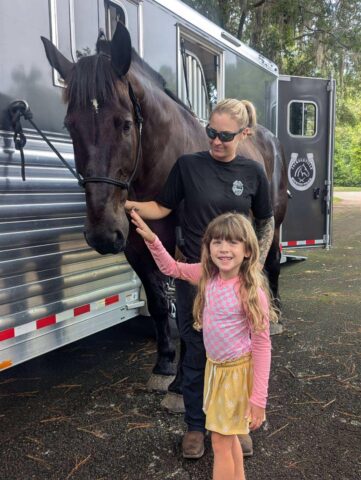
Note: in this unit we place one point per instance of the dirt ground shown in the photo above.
(83, 413)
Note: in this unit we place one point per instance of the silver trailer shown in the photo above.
(54, 288)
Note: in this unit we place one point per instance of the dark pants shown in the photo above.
(194, 358)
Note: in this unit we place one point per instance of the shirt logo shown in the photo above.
(237, 187)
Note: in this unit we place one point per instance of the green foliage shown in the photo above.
(347, 169)
(307, 38)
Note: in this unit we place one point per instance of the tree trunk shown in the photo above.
(256, 34)
(243, 5)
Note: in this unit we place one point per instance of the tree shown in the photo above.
(307, 38)
(300, 36)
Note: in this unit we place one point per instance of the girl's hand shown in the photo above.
(256, 416)
(142, 228)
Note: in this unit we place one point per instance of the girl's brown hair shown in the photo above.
(234, 226)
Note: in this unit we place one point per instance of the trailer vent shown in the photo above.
(231, 39)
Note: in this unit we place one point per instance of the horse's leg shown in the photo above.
(176, 385)
(272, 269)
(173, 401)
(153, 282)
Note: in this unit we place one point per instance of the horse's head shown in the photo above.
(101, 121)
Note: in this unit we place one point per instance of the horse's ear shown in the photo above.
(56, 59)
(121, 50)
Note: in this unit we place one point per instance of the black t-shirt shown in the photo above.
(209, 188)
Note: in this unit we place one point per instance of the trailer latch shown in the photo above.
(316, 193)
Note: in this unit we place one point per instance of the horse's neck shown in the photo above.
(248, 149)
(169, 131)
(259, 148)
(166, 119)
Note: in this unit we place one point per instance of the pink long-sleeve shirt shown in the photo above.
(226, 331)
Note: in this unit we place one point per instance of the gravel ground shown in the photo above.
(83, 412)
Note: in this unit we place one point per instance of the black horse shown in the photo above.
(107, 94)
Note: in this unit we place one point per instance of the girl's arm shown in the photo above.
(148, 210)
(190, 272)
(261, 354)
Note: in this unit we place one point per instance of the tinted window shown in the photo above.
(302, 119)
(245, 80)
(158, 53)
(85, 28)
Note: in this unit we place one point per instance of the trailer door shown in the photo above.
(305, 128)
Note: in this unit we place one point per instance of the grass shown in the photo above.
(347, 189)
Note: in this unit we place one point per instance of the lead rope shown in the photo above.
(20, 142)
(19, 109)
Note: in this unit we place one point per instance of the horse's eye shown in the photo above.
(127, 125)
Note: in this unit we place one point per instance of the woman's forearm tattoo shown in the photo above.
(264, 231)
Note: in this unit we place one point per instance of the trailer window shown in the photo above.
(199, 80)
(113, 14)
(302, 119)
(128, 13)
(84, 24)
(246, 80)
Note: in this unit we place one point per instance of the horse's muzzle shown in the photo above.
(104, 244)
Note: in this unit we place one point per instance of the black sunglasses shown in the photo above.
(223, 136)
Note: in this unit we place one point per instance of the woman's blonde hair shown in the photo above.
(234, 226)
(242, 111)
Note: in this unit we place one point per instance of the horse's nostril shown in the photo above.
(119, 241)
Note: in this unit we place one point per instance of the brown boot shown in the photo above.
(246, 444)
(193, 445)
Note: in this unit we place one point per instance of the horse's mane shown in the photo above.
(93, 77)
(157, 79)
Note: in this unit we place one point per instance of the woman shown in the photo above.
(210, 183)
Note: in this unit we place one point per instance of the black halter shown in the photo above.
(20, 108)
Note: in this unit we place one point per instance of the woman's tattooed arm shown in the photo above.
(264, 231)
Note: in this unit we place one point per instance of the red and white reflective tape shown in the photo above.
(302, 243)
(61, 317)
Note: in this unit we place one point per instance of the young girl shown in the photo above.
(232, 308)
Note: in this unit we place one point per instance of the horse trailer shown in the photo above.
(54, 288)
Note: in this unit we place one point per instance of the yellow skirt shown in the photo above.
(227, 389)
